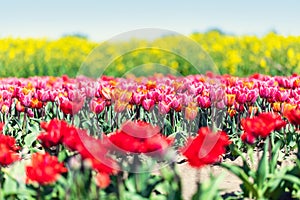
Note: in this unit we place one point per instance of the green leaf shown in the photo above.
(274, 157)
(274, 185)
(76, 120)
(245, 167)
(241, 174)
(158, 197)
(163, 188)
(263, 167)
(130, 184)
(10, 186)
(30, 138)
(209, 190)
(167, 173)
(168, 129)
(151, 184)
(133, 196)
(292, 179)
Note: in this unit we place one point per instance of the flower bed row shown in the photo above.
(71, 138)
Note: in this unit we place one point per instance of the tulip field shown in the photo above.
(123, 138)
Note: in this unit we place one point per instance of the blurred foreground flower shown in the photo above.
(293, 115)
(44, 169)
(140, 137)
(8, 149)
(206, 147)
(54, 132)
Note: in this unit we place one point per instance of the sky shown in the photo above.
(102, 20)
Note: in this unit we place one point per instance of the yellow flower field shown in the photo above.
(236, 55)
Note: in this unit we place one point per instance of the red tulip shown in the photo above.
(44, 169)
(7, 156)
(205, 148)
(1, 127)
(248, 137)
(143, 137)
(260, 126)
(54, 134)
(293, 115)
(71, 107)
(90, 149)
(8, 149)
(274, 119)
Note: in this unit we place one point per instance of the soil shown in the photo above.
(229, 185)
(190, 175)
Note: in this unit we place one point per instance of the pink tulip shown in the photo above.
(164, 107)
(97, 105)
(204, 102)
(137, 98)
(148, 104)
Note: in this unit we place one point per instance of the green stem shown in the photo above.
(270, 147)
(39, 193)
(24, 119)
(1, 178)
(136, 164)
(120, 187)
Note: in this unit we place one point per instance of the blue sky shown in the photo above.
(101, 20)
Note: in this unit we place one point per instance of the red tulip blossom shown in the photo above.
(142, 137)
(90, 149)
(54, 132)
(206, 148)
(293, 115)
(71, 107)
(8, 149)
(7, 156)
(260, 126)
(44, 169)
